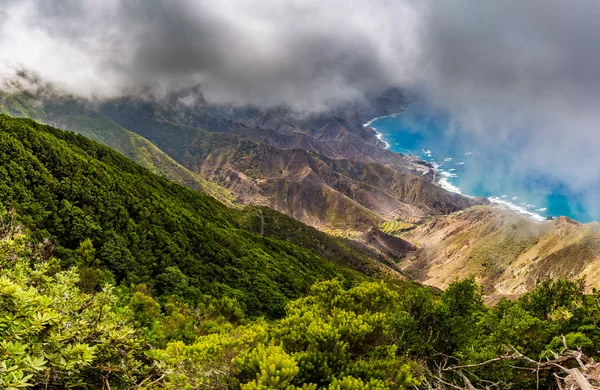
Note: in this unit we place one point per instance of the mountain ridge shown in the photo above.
(347, 188)
(74, 115)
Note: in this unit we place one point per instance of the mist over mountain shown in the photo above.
(506, 72)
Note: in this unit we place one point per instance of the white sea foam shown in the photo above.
(378, 134)
(460, 163)
(380, 137)
(369, 123)
(445, 183)
(517, 208)
(444, 180)
(447, 174)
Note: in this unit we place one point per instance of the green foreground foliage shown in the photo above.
(54, 334)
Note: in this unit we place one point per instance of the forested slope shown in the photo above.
(73, 114)
(112, 277)
(146, 229)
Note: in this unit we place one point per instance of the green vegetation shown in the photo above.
(72, 114)
(58, 331)
(54, 335)
(145, 229)
(396, 228)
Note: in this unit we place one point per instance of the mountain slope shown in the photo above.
(146, 229)
(287, 171)
(341, 123)
(322, 192)
(507, 253)
(74, 115)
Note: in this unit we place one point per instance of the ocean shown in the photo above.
(477, 169)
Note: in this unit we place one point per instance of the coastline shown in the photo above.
(377, 133)
(516, 208)
(444, 181)
(444, 176)
(380, 137)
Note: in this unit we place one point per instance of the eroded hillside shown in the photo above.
(507, 253)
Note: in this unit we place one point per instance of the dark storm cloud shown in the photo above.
(299, 53)
(532, 49)
(504, 69)
(306, 54)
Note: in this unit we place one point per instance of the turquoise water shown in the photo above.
(478, 169)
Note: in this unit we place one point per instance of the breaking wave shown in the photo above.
(518, 209)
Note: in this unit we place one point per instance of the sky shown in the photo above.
(505, 70)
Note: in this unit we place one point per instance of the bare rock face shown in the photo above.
(507, 253)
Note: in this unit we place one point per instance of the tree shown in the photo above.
(334, 333)
(55, 335)
(88, 267)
